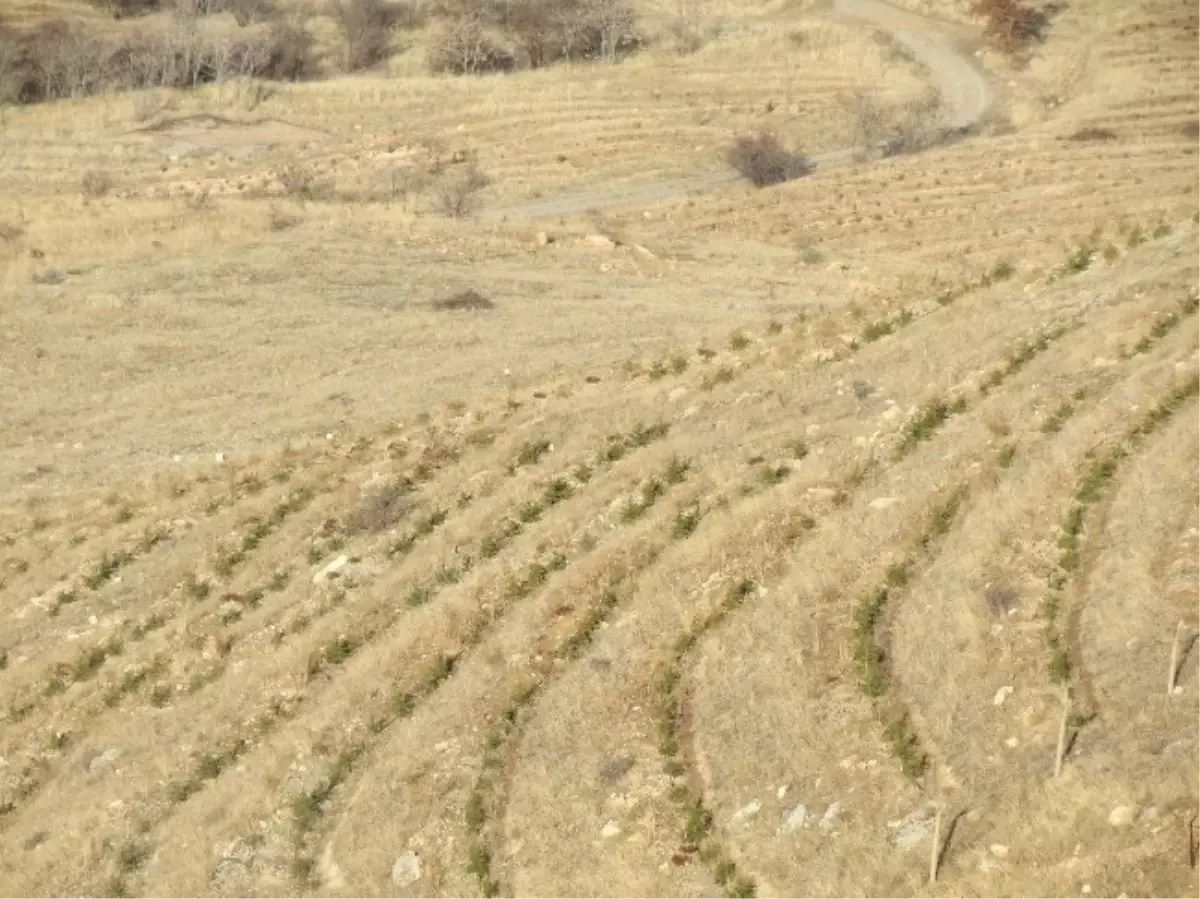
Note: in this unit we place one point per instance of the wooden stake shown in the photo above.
(1192, 845)
(1062, 731)
(935, 849)
(1174, 659)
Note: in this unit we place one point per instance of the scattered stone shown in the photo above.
(609, 830)
(407, 869)
(746, 812)
(677, 393)
(883, 502)
(796, 819)
(892, 412)
(642, 251)
(35, 839)
(220, 457)
(232, 873)
(331, 570)
(1002, 694)
(913, 829)
(1012, 742)
(599, 242)
(830, 818)
(102, 760)
(782, 791)
(542, 238)
(1121, 816)
(999, 850)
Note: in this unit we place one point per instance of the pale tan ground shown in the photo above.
(311, 357)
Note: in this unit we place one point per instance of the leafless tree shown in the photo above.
(614, 22)
(465, 48)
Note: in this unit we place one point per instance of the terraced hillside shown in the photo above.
(833, 539)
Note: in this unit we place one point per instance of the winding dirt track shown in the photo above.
(964, 89)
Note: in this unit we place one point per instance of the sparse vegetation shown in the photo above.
(1011, 26)
(926, 423)
(764, 160)
(474, 403)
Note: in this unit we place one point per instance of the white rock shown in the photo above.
(1121, 816)
(331, 569)
(746, 812)
(610, 830)
(407, 869)
(796, 819)
(782, 791)
(914, 828)
(220, 457)
(891, 413)
(1002, 694)
(830, 818)
(1012, 742)
(104, 759)
(598, 241)
(999, 850)
(884, 502)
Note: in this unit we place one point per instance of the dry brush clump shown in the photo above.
(764, 159)
(480, 36)
(878, 129)
(1011, 26)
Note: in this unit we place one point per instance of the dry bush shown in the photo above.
(466, 299)
(399, 183)
(543, 31)
(869, 122)
(1011, 26)
(366, 27)
(1093, 133)
(298, 180)
(916, 127)
(457, 192)
(10, 233)
(120, 9)
(763, 159)
(283, 220)
(465, 48)
(380, 509)
(96, 183)
(876, 128)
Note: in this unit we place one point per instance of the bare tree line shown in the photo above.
(60, 59)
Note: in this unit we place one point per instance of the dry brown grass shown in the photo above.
(535, 557)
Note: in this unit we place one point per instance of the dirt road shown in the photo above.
(964, 88)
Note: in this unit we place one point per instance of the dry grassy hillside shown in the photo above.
(809, 540)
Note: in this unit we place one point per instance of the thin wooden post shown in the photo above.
(1192, 846)
(1174, 658)
(1062, 731)
(935, 848)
